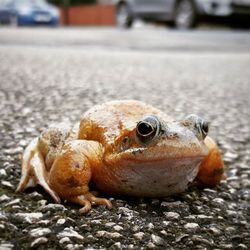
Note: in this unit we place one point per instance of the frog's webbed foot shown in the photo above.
(87, 200)
(34, 171)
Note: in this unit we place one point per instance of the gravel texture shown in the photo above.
(40, 85)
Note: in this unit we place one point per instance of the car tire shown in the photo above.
(124, 18)
(185, 16)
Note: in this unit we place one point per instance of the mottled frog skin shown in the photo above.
(125, 148)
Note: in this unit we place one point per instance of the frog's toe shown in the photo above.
(83, 201)
(87, 200)
(86, 207)
(100, 201)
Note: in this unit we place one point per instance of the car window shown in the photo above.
(5, 3)
(30, 2)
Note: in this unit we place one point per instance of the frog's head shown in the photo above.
(164, 154)
(153, 139)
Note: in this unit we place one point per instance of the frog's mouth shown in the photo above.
(158, 155)
(162, 149)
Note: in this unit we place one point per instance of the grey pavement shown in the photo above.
(55, 75)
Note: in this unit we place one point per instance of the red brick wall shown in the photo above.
(89, 15)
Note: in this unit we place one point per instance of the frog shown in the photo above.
(125, 148)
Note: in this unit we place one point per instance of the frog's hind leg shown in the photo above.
(33, 170)
(71, 173)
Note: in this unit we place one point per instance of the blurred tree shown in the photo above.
(71, 2)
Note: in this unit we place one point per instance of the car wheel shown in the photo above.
(124, 18)
(185, 15)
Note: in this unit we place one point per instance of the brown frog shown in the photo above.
(125, 148)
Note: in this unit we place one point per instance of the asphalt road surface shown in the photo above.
(55, 75)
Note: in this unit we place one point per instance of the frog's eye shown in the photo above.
(201, 126)
(204, 128)
(147, 129)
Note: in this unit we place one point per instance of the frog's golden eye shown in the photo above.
(148, 129)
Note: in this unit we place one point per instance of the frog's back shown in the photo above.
(107, 121)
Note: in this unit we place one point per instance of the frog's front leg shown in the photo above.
(211, 170)
(71, 173)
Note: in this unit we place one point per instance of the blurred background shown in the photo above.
(179, 14)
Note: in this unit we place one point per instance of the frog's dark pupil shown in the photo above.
(205, 127)
(144, 128)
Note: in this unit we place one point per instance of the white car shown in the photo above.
(182, 14)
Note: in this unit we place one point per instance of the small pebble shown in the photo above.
(96, 222)
(215, 230)
(172, 215)
(3, 216)
(110, 224)
(126, 212)
(192, 227)
(4, 197)
(166, 223)
(164, 232)
(230, 156)
(242, 246)
(204, 217)
(174, 204)
(219, 201)
(116, 246)
(139, 235)
(70, 233)
(60, 221)
(13, 151)
(30, 217)
(118, 228)
(3, 173)
(35, 195)
(13, 202)
(39, 241)
(44, 222)
(6, 246)
(182, 236)
(38, 232)
(231, 213)
(64, 239)
(150, 226)
(151, 245)
(53, 207)
(7, 184)
(157, 240)
(108, 234)
(197, 238)
(226, 246)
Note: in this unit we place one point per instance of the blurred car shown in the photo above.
(28, 12)
(182, 14)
